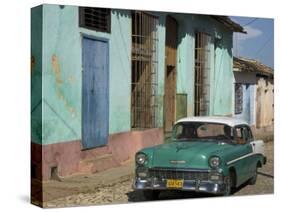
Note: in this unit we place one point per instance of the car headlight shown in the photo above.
(214, 161)
(140, 158)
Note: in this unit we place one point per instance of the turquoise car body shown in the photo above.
(238, 161)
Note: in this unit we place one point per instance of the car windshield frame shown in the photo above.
(231, 138)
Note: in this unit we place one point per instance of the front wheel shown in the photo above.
(228, 186)
(151, 194)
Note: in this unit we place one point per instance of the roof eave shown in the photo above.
(240, 65)
(227, 22)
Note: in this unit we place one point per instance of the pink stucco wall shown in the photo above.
(69, 158)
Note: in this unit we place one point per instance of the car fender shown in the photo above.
(258, 147)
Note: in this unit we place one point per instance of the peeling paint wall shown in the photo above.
(264, 103)
(161, 30)
(248, 81)
(248, 111)
(61, 60)
(221, 80)
(36, 74)
(221, 76)
(62, 69)
(258, 99)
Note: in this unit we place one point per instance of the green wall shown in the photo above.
(62, 72)
(36, 74)
(56, 38)
(221, 76)
(161, 67)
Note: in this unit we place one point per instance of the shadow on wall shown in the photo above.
(220, 36)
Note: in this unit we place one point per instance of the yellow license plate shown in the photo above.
(174, 183)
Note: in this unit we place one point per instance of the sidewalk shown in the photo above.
(54, 189)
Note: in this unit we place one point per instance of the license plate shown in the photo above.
(174, 183)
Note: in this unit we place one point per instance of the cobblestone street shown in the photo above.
(122, 192)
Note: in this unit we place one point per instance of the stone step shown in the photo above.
(98, 157)
(92, 153)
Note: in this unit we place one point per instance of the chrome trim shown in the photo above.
(194, 183)
(177, 161)
(183, 174)
(188, 185)
(241, 157)
(180, 169)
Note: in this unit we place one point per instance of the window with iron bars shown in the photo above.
(98, 19)
(202, 74)
(144, 70)
(238, 98)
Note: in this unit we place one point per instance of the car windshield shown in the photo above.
(202, 131)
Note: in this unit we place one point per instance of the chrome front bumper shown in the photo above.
(188, 185)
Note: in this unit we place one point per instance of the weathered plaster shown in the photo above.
(221, 76)
(264, 103)
(62, 69)
(36, 74)
(63, 72)
(249, 93)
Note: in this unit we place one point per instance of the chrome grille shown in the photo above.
(178, 174)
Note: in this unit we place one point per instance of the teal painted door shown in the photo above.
(244, 166)
(95, 99)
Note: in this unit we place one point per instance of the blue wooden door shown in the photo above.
(94, 93)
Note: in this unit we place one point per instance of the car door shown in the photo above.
(258, 151)
(251, 160)
(257, 145)
(243, 164)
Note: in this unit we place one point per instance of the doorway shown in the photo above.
(170, 73)
(95, 98)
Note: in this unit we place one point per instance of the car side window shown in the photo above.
(241, 135)
(245, 133)
(179, 131)
(250, 135)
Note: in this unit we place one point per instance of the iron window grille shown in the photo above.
(238, 98)
(144, 70)
(98, 19)
(202, 74)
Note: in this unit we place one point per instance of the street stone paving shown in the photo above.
(122, 192)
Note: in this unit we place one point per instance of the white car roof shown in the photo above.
(231, 121)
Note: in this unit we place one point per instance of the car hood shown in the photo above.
(188, 154)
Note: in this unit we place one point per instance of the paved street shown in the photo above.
(121, 191)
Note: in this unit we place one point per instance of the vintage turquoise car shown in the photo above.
(206, 154)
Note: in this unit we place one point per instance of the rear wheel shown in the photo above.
(151, 194)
